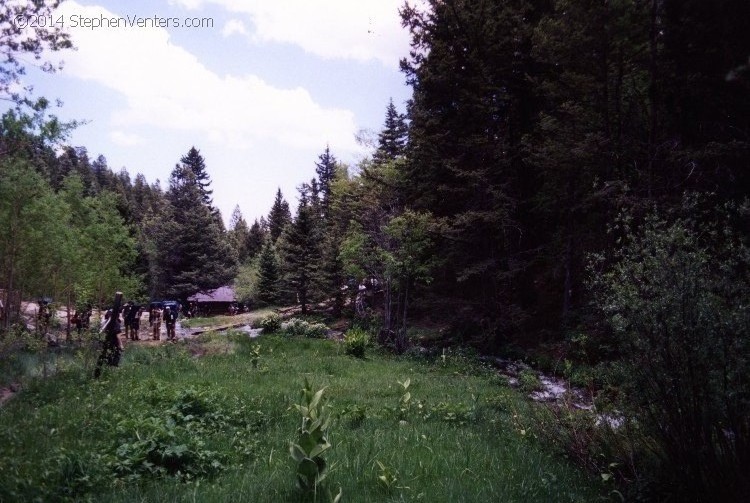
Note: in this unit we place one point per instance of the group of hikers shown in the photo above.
(125, 319)
(131, 320)
(130, 312)
(128, 321)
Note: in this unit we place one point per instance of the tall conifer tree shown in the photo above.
(194, 160)
(279, 216)
(392, 139)
(268, 274)
(256, 236)
(238, 234)
(472, 105)
(326, 170)
(195, 254)
(300, 251)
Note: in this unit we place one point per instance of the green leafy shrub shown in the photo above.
(584, 377)
(675, 297)
(317, 331)
(312, 439)
(297, 327)
(271, 323)
(161, 447)
(293, 327)
(368, 321)
(356, 342)
(174, 438)
(354, 413)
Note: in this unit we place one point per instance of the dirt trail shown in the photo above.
(8, 393)
(241, 322)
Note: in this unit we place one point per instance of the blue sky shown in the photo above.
(260, 93)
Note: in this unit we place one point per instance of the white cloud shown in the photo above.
(362, 30)
(188, 4)
(125, 139)
(167, 87)
(234, 26)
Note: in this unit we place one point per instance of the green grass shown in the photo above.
(171, 426)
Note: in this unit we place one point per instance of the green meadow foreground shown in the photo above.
(212, 419)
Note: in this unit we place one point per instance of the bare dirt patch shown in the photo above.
(8, 392)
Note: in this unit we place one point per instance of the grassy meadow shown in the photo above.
(212, 419)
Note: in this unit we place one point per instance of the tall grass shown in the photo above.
(170, 426)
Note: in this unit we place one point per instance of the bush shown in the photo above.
(529, 381)
(301, 328)
(317, 331)
(173, 437)
(356, 341)
(675, 298)
(271, 323)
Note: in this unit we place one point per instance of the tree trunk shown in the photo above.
(303, 300)
(387, 307)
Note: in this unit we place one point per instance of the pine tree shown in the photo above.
(332, 230)
(194, 253)
(102, 174)
(239, 234)
(392, 139)
(326, 170)
(256, 236)
(279, 216)
(471, 106)
(332, 269)
(300, 252)
(268, 274)
(581, 139)
(314, 198)
(194, 160)
(74, 160)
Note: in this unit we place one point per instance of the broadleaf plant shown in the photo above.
(312, 440)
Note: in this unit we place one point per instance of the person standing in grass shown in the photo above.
(127, 311)
(135, 321)
(77, 321)
(170, 317)
(111, 345)
(44, 316)
(155, 318)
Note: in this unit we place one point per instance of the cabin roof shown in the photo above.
(222, 294)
